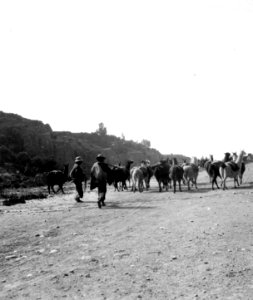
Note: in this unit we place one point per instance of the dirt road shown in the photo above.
(150, 245)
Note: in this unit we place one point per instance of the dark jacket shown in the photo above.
(77, 174)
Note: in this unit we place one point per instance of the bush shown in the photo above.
(11, 198)
(6, 155)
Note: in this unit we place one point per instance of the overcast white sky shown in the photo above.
(178, 73)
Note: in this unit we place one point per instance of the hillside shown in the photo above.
(32, 146)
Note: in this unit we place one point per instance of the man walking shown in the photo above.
(78, 177)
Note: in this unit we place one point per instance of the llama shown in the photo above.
(121, 174)
(57, 177)
(176, 174)
(212, 168)
(191, 173)
(161, 172)
(139, 176)
(150, 173)
(243, 167)
(231, 169)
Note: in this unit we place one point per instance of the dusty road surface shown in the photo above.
(150, 245)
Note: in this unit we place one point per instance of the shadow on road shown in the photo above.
(113, 205)
(116, 206)
(241, 187)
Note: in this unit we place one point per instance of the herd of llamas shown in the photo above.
(167, 173)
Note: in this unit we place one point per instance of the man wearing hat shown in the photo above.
(101, 162)
(100, 175)
(78, 177)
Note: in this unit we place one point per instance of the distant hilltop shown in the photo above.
(27, 144)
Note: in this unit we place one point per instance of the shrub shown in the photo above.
(6, 155)
(11, 198)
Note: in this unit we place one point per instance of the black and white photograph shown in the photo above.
(126, 150)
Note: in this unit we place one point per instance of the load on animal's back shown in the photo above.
(231, 170)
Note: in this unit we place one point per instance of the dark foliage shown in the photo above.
(31, 147)
(20, 197)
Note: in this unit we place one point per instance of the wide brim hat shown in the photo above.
(100, 157)
(78, 159)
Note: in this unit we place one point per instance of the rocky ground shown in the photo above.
(150, 245)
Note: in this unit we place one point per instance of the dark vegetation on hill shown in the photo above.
(29, 147)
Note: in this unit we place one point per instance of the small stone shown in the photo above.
(11, 256)
(18, 259)
(53, 251)
(41, 251)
